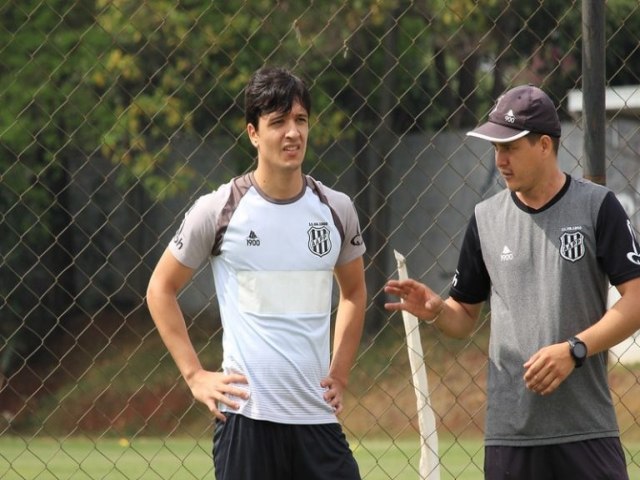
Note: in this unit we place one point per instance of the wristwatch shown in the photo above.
(578, 350)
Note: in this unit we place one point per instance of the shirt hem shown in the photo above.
(286, 420)
(534, 442)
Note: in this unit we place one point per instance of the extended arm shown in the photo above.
(455, 319)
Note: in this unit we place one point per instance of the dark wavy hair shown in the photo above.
(273, 89)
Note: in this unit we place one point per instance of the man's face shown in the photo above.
(519, 163)
(281, 138)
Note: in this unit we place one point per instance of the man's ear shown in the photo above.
(253, 134)
(547, 143)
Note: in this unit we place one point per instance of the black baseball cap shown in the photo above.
(518, 112)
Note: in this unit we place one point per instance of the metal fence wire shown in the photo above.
(117, 114)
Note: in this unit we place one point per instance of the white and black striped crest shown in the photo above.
(572, 246)
(319, 241)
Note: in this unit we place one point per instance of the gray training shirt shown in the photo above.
(546, 274)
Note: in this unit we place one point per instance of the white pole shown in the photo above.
(429, 461)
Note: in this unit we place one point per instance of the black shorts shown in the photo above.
(246, 449)
(598, 459)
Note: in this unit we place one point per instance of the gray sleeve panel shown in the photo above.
(205, 223)
(238, 187)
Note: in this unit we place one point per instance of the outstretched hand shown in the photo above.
(416, 297)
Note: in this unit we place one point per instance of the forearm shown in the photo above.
(453, 318)
(348, 333)
(456, 319)
(171, 326)
(618, 323)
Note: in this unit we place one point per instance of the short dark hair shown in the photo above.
(273, 89)
(535, 138)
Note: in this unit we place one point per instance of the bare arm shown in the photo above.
(167, 279)
(455, 319)
(620, 321)
(551, 365)
(348, 329)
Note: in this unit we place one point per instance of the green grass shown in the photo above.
(82, 458)
(384, 460)
(79, 458)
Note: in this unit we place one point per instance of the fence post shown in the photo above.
(593, 87)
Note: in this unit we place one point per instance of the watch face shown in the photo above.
(579, 350)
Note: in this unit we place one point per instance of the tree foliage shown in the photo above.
(124, 78)
(50, 114)
(179, 67)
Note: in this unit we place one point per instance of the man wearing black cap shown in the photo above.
(542, 251)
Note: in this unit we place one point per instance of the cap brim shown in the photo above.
(497, 133)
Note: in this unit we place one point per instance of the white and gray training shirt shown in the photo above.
(273, 265)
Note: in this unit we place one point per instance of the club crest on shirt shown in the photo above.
(572, 246)
(319, 240)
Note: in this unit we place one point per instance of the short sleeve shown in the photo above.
(471, 282)
(616, 243)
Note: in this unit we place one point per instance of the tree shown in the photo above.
(123, 79)
(49, 116)
(623, 53)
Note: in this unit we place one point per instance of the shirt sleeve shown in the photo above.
(616, 243)
(192, 243)
(346, 219)
(353, 246)
(471, 282)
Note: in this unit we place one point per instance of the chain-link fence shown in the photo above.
(117, 114)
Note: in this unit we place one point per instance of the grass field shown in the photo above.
(185, 458)
(80, 458)
(385, 411)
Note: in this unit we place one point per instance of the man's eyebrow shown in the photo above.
(275, 115)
